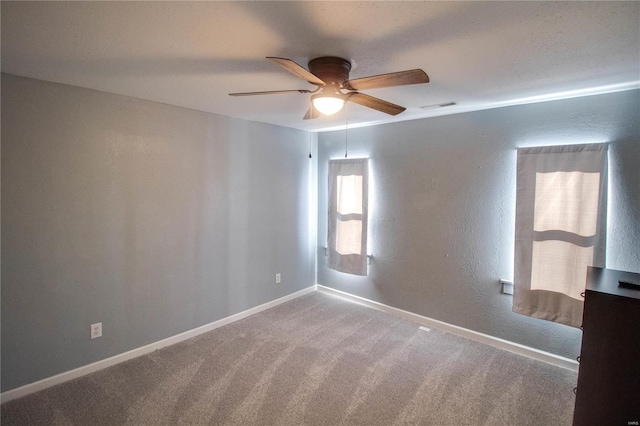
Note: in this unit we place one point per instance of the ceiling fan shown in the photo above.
(331, 76)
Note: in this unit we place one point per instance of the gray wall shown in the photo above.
(149, 218)
(154, 219)
(442, 208)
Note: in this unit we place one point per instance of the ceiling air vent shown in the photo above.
(442, 105)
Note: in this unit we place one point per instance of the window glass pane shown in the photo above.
(349, 236)
(567, 201)
(560, 266)
(349, 194)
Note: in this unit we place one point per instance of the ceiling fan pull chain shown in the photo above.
(346, 129)
(310, 109)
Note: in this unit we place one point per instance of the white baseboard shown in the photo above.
(425, 321)
(460, 331)
(108, 362)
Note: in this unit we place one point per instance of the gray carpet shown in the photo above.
(317, 360)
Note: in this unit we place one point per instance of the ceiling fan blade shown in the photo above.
(297, 70)
(375, 103)
(271, 92)
(311, 113)
(400, 78)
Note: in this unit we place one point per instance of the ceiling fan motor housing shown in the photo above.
(330, 69)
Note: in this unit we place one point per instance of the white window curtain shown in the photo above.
(347, 228)
(561, 220)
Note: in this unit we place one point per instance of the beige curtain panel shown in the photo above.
(561, 221)
(348, 201)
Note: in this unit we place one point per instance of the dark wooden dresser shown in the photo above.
(608, 391)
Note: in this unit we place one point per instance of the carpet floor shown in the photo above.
(316, 360)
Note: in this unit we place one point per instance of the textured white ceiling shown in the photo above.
(192, 54)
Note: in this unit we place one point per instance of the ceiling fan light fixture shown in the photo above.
(328, 103)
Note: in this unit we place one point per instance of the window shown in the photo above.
(347, 236)
(560, 228)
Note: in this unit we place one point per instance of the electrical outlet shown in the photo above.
(278, 278)
(96, 330)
